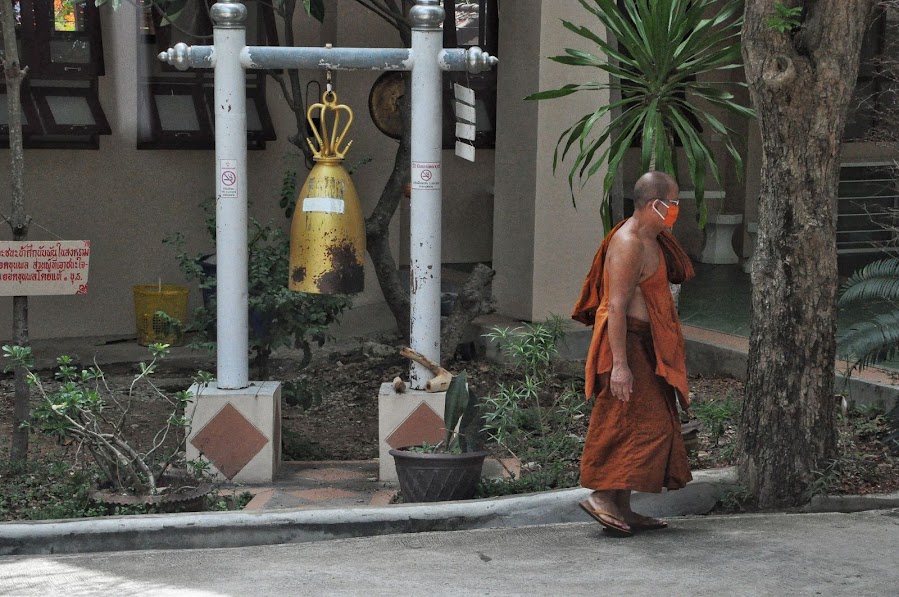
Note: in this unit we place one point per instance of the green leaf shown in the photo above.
(876, 281)
(456, 403)
(872, 341)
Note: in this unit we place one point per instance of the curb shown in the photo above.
(244, 529)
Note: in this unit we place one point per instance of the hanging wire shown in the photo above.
(31, 222)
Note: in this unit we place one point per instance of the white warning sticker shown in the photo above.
(328, 205)
(228, 178)
(426, 176)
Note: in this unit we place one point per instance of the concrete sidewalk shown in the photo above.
(772, 554)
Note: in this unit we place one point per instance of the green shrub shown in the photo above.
(716, 415)
(534, 421)
(278, 316)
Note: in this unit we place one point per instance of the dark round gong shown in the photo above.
(384, 103)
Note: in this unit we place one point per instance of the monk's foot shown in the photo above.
(639, 522)
(606, 513)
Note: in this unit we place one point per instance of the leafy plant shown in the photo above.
(278, 316)
(461, 421)
(786, 19)
(876, 339)
(736, 499)
(82, 409)
(44, 489)
(716, 415)
(663, 48)
(536, 423)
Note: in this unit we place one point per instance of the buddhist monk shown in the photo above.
(636, 370)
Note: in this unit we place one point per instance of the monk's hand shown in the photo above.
(622, 382)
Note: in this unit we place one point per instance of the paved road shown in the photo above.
(778, 554)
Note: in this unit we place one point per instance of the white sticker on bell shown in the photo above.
(328, 205)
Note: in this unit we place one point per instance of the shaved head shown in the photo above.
(653, 185)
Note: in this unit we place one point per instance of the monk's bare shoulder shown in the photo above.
(626, 247)
(625, 254)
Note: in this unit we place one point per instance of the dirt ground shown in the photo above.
(330, 412)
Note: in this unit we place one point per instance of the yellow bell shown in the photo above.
(327, 233)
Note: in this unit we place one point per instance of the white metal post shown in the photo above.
(425, 255)
(229, 39)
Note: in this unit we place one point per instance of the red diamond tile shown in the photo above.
(422, 425)
(229, 441)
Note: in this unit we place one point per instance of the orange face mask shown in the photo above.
(670, 216)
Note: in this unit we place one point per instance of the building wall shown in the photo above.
(126, 201)
(542, 246)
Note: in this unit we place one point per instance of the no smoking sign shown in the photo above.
(228, 177)
(426, 176)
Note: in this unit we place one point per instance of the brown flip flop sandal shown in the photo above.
(650, 524)
(611, 527)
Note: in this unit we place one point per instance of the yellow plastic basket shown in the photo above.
(171, 299)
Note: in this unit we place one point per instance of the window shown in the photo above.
(868, 208)
(175, 108)
(470, 24)
(60, 43)
(878, 82)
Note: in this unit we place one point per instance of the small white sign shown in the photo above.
(327, 205)
(426, 176)
(228, 179)
(465, 131)
(465, 113)
(45, 267)
(463, 94)
(465, 151)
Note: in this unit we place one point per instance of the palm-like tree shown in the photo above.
(876, 339)
(664, 47)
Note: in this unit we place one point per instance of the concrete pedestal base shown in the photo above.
(238, 431)
(406, 419)
(719, 234)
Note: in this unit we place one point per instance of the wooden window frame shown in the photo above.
(45, 78)
(164, 76)
(100, 126)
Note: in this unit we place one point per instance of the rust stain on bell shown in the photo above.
(327, 233)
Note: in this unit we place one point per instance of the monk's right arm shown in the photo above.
(624, 263)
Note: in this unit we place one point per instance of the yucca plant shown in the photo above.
(876, 339)
(663, 47)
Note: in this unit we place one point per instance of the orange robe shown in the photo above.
(637, 444)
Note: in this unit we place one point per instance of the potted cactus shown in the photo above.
(451, 469)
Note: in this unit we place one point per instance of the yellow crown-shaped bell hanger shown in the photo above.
(326, 135)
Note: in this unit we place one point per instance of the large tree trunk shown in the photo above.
(801, 83)
(377, 227)
(13, 75)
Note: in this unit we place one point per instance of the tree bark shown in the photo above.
(801, 82)
(13, 74)
(377, 227)
(475, 299)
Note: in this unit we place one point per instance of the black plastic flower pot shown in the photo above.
(426, 477)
